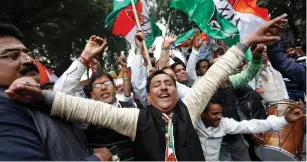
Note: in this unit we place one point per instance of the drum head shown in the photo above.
(271, 153)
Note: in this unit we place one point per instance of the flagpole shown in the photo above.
(139, 26)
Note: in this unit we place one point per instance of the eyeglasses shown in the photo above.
(106, 83)
(16, 55)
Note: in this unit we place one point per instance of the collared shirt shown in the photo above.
(270, 85)
(211, 137)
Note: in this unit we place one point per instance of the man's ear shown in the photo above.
(148, 98)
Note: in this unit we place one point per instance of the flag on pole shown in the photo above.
(182, 39)
(125, 22)
(227, 20)
(45, 74)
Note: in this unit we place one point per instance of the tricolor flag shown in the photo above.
(182, 39)
(125, 22)
(228, 20)
(45, 74)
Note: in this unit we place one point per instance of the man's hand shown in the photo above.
(258, 51)
(94, 47)
(104, 153)
(25, 90)
(198, 41)
(294, 114)
(139, 37)
(122, 60)
(152, 49)
(266, 33)
(169, 40)
(257, 139)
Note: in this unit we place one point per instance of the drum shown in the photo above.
(286, 144)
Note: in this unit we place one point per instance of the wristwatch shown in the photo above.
(242, 46)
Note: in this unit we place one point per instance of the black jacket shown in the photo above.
(150, 143)
(28, 135)
(103, 137)
(249, 104)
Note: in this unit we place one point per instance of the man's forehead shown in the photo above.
(103, 78)
(161, 77)
(10, 43)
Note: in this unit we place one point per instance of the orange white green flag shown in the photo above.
(45, 74)
(228, 20)
(125, 21)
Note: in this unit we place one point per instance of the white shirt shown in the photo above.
(274, 87)
(211, 137)
(69, 82)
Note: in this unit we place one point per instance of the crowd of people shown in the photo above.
(213, 110)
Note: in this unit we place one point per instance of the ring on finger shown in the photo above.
(26, 83)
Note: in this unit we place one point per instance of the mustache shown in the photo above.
(28, 68)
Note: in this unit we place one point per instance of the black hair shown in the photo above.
(289, 45)
(166, 67)
(86, 91)
(213, 100)
(219, 51)
(173, 66)
(96, 75)
(10, 30)
(157, 72)
(200, 61)
(47, 85)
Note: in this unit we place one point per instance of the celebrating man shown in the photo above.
(166, 129)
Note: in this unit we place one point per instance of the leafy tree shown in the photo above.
(58, 30)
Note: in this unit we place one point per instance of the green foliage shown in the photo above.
(58, 30)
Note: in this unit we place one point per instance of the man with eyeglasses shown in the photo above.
(101, 87)
(27, 133)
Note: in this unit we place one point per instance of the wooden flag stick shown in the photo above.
(144, 43)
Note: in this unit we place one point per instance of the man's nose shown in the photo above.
(26, 59)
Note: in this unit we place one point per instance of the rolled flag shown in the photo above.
(230, 20)
(45, 74)
(182, 40)
(125, 22)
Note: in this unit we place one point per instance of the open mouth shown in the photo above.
(105, 94)
(164, 96)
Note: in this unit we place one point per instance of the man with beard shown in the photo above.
(294, 72)
(27, 133)
(166, 129)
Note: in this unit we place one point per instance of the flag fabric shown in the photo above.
(45, 74)
(182, 39)
(125, 22)
(227, 20)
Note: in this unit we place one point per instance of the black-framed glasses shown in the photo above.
(16, 55)
(106, 83)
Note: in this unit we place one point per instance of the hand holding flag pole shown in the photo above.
(143, 42)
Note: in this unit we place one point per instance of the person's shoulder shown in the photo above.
(11, 110)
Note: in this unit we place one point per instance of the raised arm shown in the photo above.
(198, 97)
(194, 57)
(294, 71)
(242, 78)
(165, 51)
(70, 79)
(139, 71)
